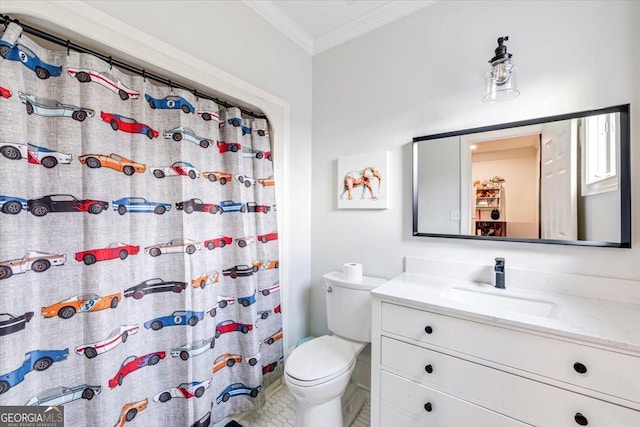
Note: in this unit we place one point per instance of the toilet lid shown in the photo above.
(319, 358)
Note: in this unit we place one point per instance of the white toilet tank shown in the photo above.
(349, 305)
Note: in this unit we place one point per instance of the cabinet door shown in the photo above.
(608, 372)
(429, 407)
(530, 401)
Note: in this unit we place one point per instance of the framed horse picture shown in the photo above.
(362, 181)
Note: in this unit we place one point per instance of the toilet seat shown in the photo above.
(319, 361)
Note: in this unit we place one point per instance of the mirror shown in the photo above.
(563, 180)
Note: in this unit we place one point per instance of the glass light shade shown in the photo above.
(501, 83)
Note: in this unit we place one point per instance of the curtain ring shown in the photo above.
(110, 63)
(68, 47)
(195, 93)
(170, 86)
(144, 75)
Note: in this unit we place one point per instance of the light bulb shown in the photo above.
(502, 73)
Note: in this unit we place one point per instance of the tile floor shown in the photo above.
(279, 411)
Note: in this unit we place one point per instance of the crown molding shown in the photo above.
(276, 17)
(382, 16)
(369, 22)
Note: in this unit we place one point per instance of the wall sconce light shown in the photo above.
(501, 77)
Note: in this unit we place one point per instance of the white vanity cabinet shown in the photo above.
(443, 368)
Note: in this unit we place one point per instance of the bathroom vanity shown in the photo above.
(450, 351)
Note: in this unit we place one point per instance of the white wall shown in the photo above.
(424, 75)
(205, 40)
(601, 217)
(439, 186)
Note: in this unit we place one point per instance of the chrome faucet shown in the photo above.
(498, 268)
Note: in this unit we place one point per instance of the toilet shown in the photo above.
(318, 371)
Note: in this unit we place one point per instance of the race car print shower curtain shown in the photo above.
(139, 262)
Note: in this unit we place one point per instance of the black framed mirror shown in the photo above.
(562, 179)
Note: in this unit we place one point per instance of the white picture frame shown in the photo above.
(362, 181)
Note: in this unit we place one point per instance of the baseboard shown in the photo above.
(274, 388)
(353, 404)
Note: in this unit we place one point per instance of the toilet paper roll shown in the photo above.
(352, 272)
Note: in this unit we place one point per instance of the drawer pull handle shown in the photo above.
(581, 419)
(580, 368)
(428, 407)
(428, 329)
(429, 369)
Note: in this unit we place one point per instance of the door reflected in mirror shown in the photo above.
(562, 179)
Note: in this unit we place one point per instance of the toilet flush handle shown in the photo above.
(328, 289)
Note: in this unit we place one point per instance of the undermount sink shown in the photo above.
(499, 300)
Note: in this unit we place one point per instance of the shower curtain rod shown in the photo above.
(4, 19)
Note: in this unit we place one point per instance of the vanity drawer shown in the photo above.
(500, 391)
(410, 398)
(607, 372)
(392, 416)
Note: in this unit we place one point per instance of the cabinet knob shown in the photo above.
(428, 329)
(581, 419)
(428, 407)
(580, 368)
(429, 369)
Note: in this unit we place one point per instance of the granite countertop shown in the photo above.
(602, 322)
